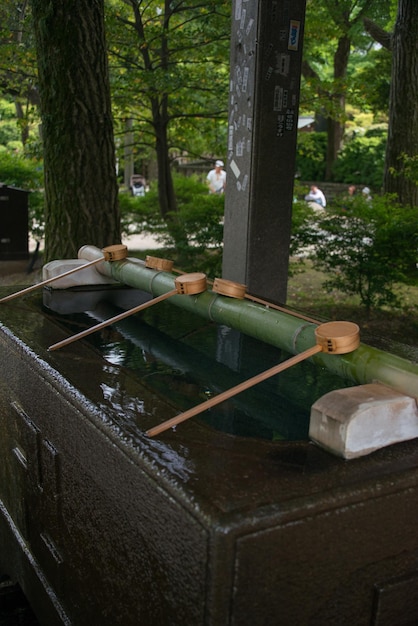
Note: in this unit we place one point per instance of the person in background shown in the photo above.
(216, 178)
(348, 198)
(366, 194)
(316, 195)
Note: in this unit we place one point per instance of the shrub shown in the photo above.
(9, 132)
(362, 161)
(310, 156)
(26, 174)
(194, 229)
(366, 249)
(18, 172)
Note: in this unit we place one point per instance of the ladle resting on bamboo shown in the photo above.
(188, 284)
(110, 253)
(229, 288)
(331, 337)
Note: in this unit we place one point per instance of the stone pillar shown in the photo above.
(266, 54)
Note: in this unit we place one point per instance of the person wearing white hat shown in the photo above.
(217, 178)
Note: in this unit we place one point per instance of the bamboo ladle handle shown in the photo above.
(186, 284)
(116, 318)
(328, 340)
(111, 253)
(236, 290)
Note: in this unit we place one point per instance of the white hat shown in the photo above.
(366, 190)
(219, 164)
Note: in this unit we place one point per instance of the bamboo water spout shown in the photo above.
(277, 328)
(110, 253)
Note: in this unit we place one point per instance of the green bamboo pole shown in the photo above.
(364, 365)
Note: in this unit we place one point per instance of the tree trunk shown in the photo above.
(402, 146)
(81, 192)
(336, 125)
(23, 119)
(128, 154)
(166, 194)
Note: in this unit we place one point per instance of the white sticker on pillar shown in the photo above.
(238, 9)
(249, 26)
(278, 98)
(245, 79)
(235, 169)
(282, 63)
(231, 138)
(242, 22)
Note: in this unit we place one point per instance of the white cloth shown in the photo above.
(216, 180)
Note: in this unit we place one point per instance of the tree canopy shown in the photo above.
(170, 77)
(168, 68)
(334, 35)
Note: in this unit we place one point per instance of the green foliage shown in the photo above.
(409, 167)
(365, 249)
(310, 156)
(9, 130)
(362, 161)
(198, 223)
(19, 172)
(200, 218)
(7, 110)
(26, 174)
(328, 24)
(371, 81)
(169, 67)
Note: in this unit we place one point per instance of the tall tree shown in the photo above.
(81, 193)
(401, 166)
(336, 26)
(171, 62)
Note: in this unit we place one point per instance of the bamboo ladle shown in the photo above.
(331, 338)
(110, 253)
(229, 288)
(189, 284)
(157, 263)
(226, 287)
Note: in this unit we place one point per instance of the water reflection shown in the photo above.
(185, 360)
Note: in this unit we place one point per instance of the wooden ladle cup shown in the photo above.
(156, 263)
(331, 337)
(188, 284)
(110, 253)
(232, 289)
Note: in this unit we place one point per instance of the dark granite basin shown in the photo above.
(233, 518)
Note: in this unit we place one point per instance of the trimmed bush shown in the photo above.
(26, 174)
(365, 249)
(195, 231)
(362, 161)
(310, 156)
